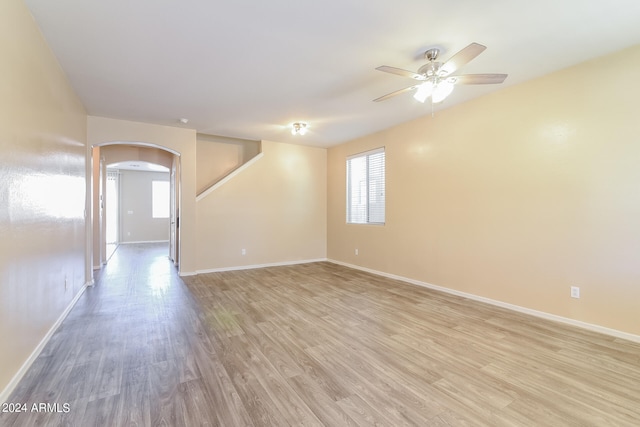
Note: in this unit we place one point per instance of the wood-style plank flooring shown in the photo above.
(315, 344)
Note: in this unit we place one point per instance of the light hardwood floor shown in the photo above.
(315, 344)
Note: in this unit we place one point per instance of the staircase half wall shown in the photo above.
(271, 211)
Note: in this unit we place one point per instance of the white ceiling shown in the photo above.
(248, 68)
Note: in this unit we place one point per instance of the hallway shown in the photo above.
(118, 341)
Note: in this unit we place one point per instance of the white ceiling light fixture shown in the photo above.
(424, 91)
(298, 128)
(437, 90)
(436, 86)
(441, 91)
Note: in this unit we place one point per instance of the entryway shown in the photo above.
(135, 199)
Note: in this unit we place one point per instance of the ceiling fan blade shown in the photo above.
(479, 79)
(461, 58)
(400, 72)
(397, 92)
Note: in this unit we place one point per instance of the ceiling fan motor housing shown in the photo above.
(432, 54)
(432, 68)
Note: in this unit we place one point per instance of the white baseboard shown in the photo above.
(36, 352)
(251, 267)
(143, 241)
(541, 314)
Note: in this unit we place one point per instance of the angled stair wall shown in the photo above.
(220, 158)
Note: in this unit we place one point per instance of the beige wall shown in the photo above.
(42, 190)
(218, 156)
(136, 221)
(515, 196)
(275, 210)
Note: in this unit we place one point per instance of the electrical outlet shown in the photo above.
(356, 252)
(244, 251)
(575, 292)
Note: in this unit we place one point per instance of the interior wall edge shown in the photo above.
(4, 395)
(513, 307)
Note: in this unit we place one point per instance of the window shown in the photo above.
(365, 187)
(160, 199)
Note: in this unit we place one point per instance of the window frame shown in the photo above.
(350, 215)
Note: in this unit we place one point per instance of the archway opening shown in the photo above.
(122, 173)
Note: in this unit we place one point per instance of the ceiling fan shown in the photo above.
(438, 79)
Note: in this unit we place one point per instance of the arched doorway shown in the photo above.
(130, 153)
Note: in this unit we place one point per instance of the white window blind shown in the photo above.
(366, 187)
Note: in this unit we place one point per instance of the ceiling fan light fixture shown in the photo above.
(439, 78)
(441, 91)
(298, 128)
(424, 91)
